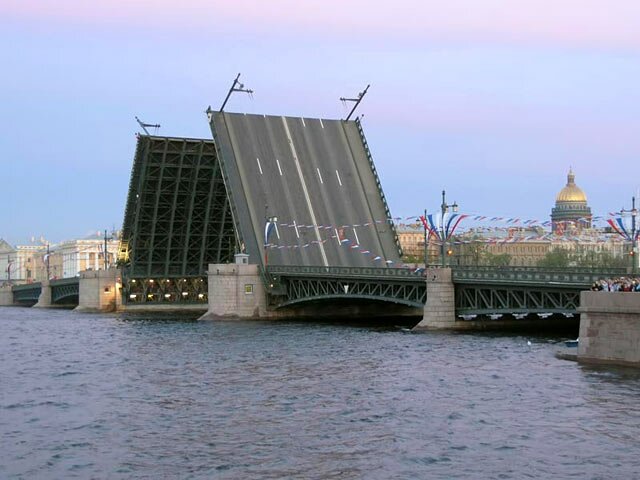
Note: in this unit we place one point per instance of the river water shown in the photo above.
(115, 396)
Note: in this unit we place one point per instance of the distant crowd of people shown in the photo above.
(620, 284)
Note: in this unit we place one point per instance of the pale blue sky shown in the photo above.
(495, 118)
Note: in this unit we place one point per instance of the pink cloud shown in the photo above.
(564, 23)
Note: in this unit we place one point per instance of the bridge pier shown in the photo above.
(6, 296)
(44, 300)
(100, 291)
(236, 290)
(440, 308)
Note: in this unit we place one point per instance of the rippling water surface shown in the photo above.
(111, 396)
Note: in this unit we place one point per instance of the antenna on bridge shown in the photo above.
(150, 125)
(235, 87)
(356, 100)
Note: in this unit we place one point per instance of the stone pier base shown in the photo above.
(439, 311)
(235, 291)
(44, 300)
(609, 328)
(6, 296)
(100, 291)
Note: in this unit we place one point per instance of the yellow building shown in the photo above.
(71, 257)
(23, 263)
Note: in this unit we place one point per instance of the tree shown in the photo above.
(556, 258)
(497, 260)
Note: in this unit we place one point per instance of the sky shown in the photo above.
(491, 100)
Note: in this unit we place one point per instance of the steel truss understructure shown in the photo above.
(187, 290)
(27, 294)
(492, 299)
(177, 220)
(290, 285)
(65, 291)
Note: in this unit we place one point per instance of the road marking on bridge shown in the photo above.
(279, 169)
(295, 226)
(356, 234)
(303, 124)
(338, 175)
(319, 175)
(337, 237)
(321, 124)
(305, 191)
(259, 166)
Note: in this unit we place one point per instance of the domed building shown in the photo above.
(571, 212)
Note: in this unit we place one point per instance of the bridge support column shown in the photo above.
(440, 309)
(235, 291)
(6, 296)
(100, 291)
(44, 300)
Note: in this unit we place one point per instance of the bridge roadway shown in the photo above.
(317, 177)
(478, 290)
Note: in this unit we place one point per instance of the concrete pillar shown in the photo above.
(44, 300)
(440, 309)
(235, 291)
(609, 328)
(100, 291)
(6, 295)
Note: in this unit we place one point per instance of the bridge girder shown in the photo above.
(488, 299)
(302, 290)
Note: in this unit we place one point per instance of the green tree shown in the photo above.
(497, 260)
(556, 258)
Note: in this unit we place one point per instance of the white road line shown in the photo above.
(337, 237)
(356, 234)
(338, 175)
(305, 191)
(319, 175)
(295, 226)
(259, 166)
(279, 169)
(321, 124)
(303, 124)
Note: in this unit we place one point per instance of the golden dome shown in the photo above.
(571, 192)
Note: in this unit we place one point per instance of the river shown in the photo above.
(118, 397)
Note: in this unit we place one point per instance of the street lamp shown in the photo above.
(634, 234)
(444, 208)
(270, 224)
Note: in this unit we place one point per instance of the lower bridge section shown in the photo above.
(515, 300)
(296, 285)
(65, 291)
(27, 294)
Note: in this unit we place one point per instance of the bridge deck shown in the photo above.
(316, 177)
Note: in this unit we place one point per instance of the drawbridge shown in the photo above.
(304, 191)
(288, 191)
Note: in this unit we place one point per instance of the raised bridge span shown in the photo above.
(317, 178)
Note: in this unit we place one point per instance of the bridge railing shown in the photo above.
(342, 272)
(26, 286)
(533, 275)
(64, 281)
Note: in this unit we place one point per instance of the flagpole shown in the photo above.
(425, 238)
(444, 208)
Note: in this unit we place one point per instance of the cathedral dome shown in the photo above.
(571, 193)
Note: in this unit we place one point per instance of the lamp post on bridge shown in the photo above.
(271, 223)
(444, 208)
(634, 235)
